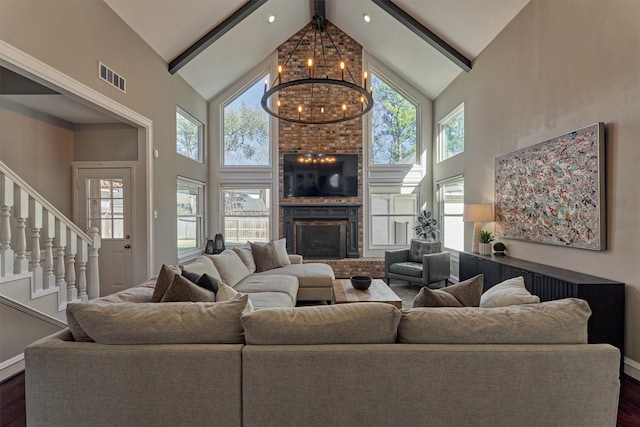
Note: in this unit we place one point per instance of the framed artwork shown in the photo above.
(554, 192)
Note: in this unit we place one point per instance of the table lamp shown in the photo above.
(477, 214)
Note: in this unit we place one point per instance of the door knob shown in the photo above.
(127, 246)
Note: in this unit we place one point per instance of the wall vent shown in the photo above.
(111, 77)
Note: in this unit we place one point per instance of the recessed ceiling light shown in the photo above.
(366, 17)
(271, 19)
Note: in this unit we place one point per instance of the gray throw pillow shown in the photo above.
(265, 256)
(463, 294)
(205, 281)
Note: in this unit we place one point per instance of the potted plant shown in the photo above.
(427, 227)
(485, 238)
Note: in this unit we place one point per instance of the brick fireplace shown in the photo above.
(338, 138)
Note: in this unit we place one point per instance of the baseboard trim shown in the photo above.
(11, 367)
(632, 368)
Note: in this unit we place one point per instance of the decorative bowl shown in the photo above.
(361, 282)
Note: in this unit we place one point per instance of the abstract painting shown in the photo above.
(553, 192)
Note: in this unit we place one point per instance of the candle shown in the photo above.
(342, 69)
(310, 65)
(365, 80)
(265, 85)
(279, 74)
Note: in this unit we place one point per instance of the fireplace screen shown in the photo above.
(321, 241)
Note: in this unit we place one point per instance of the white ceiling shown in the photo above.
(171, 26)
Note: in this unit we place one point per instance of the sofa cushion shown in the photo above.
(309, 274)
(265, 256)
(230, 266)
(287, 285)
(463, 294)
(203, 265)
(171, 323)
(412, 269)
(182, 289)
(140, 293)
(561, 321)
(262, 300)
(244, 252)
(364, 323)
(509, 292)
(227, 293)
(167, 272)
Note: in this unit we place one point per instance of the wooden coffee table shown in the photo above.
(344, 293)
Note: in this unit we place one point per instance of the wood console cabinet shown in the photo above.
(605, 297)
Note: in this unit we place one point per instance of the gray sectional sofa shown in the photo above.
(219, 363)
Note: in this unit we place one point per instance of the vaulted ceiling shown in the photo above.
(171, 26)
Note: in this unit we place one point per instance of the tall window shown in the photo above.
(393, 126)
(393, 215)
(190, 209)
(246, 129)
(188, 135)
(451, 199)
(246, 215)
(451, 134)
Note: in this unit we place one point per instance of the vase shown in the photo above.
(485, 248)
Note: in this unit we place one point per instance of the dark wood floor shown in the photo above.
(12, 410)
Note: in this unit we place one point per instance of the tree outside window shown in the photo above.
(246, 130)
(452, 134)
(188, 136)
(393, 126)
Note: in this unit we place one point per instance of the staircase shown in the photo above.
(39, 275)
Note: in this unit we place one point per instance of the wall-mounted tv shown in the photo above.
(320, 175)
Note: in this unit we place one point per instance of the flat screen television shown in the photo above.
(319, 175)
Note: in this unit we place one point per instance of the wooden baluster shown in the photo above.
(49, 280)
(21, 213)
(6, 202)
(93, 285)
(72, 249)
(35, 222)
(81, 259)
(59, 242)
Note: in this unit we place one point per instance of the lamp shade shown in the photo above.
(478, 213)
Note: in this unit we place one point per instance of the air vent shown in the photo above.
(111, 77)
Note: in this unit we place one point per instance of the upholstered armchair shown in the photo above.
(424, 262)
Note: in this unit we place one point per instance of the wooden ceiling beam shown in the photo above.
(208, 39)
(425, 34)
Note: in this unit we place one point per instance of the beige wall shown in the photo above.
(558, 66)
(72, 36)
(40, 151)
(105, 143)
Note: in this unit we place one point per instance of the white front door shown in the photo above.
(104, 201)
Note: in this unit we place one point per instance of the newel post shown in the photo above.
(93, 285)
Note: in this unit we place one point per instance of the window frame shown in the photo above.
(199, 216)
(401, 190)
(200, 126)
(441, 151)
(247, 186)
(259, 77)
(442, 212)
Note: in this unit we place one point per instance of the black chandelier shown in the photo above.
(310, 99)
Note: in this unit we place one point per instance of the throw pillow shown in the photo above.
(227, 293)
(167, 272)
(182, 290)
(509, 292)
(281, 250)
(244, 252)
(230, 266)
(265, 256)
(205, 281)
(463, 294)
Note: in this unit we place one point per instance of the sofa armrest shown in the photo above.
(436, 267)
(295, 259)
